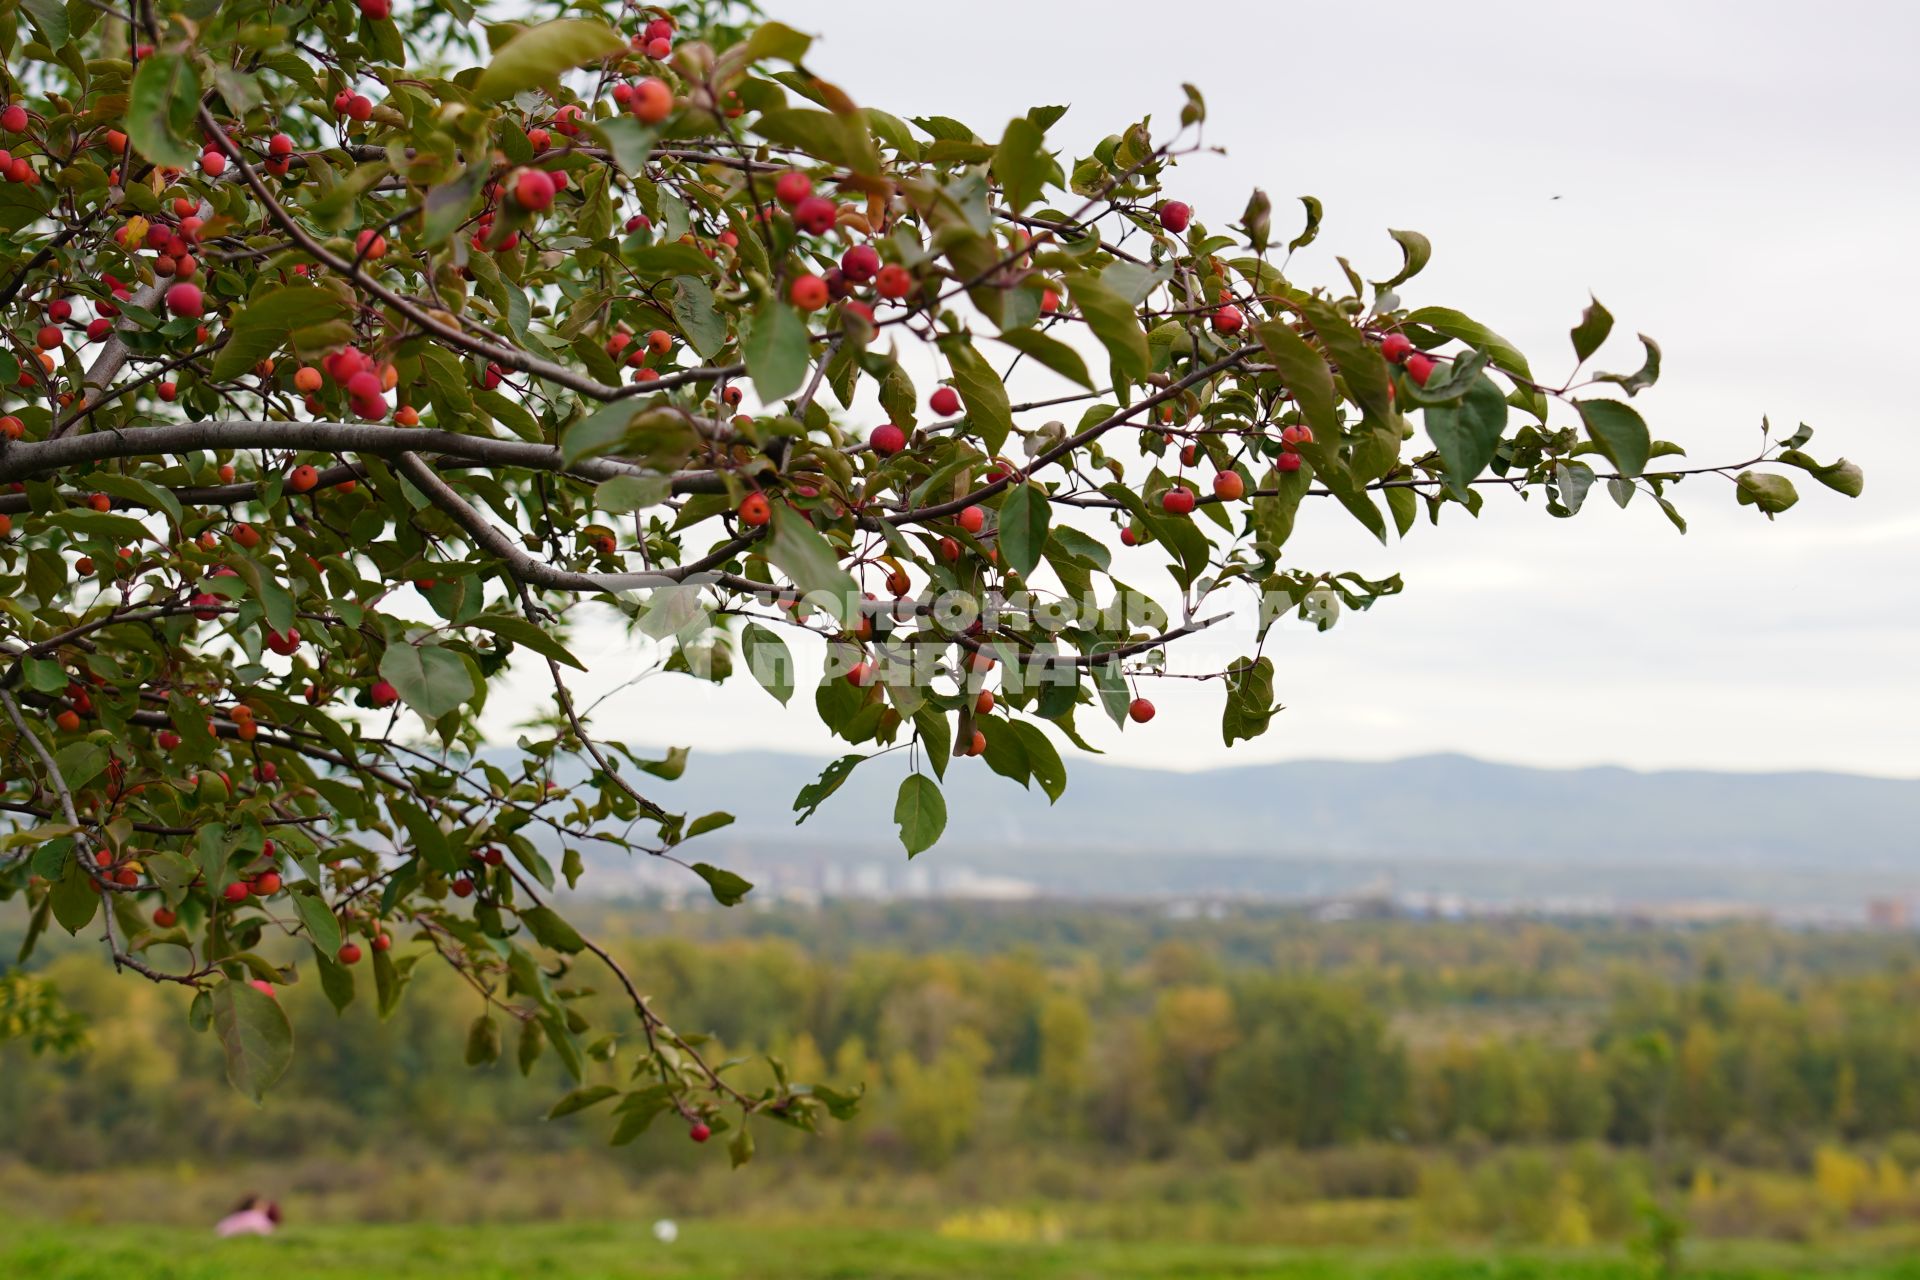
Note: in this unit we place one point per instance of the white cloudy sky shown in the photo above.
(1738, 181)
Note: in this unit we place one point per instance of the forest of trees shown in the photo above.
(1121, 1033)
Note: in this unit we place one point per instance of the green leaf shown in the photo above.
(1455, 325)
(483, 1041)
(266, 588)
(837, 139)
(1771, 493)
(1021, 164)
(659, 436)
(522, 632)
(322, 926)
(1249, 700)
(708, 822)
(981, 390)
(1273, 516)
(80, 762)
(920, 812)
(580, 1099)
(1646, 376)
(728, 888)
(1619, 431)
(389, 981)
(161, 108)
(137, 489)
(775, 40)
(533, 1038)
(1467, 434)
(537, 56)
(550, 929)
(1415, 250)
(75, 899)
(261, 326)
(1134, 281)
(449, 203)
(1595, 324)
(798, 550)
(815, 793)
(1043, 758)
(1306, 237)
(1304, 372)
(430, 679)
(254, 1032)
(671, 259)
(740, 1149)
(1840, 475)
(775, 349)
(1574, 480)
(51, 17)
(625, 494)
(1051, 352)
(1024, 519)
(631, 143)
(700, 321)
(336, 980)
(769, 660)
(1361, 365)
(1113, 321)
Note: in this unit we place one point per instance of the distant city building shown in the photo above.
(1890, 913)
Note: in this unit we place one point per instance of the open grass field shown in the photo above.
(731, 1251)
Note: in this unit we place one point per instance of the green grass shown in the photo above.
(738, 1251)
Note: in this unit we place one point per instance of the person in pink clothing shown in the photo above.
(254, 1217)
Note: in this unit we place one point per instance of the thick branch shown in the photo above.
(29, 458)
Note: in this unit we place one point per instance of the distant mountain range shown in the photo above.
(1445, 822)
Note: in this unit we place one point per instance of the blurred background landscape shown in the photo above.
(1430, 1004)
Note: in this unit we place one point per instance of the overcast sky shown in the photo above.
(1738, 181)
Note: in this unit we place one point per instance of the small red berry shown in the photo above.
(945, 401)
(791, 187)
(1139, 711)
(887, 440)
(893, 281)
(1419, 368)
(185, 300)
(973, 519)
(533, 190)
(809, 293)
(652, 101)
(1177, 501)
(755, 510)
(860, 264)
(1175, 215)
(816, 215)
(1396, 347)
